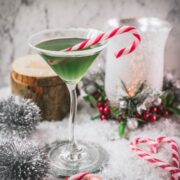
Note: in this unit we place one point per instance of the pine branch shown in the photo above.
(125, 88)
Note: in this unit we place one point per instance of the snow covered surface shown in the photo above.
(5, 92)
(123, 163)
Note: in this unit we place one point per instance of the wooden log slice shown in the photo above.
(32, 78)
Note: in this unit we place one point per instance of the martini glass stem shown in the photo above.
(73, 111)
(74, 149)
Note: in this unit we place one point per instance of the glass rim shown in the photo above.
(78, 53)
(143, 21)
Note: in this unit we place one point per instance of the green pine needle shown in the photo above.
(91, 99)
(122, 128)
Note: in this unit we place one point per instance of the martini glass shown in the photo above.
(70, 156)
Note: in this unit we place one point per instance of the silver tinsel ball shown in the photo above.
(99, 80)
(122, 104)
(132, 123)
(90, 89)
(22, 160)
(18, 116)
(157, 101)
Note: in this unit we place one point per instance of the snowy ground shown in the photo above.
(123, 163)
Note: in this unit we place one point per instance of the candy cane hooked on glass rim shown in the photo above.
(106, 36)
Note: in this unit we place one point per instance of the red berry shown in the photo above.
(153, 118)
(165, 113)
(100, 104)
(96, 95)
(161, 108)
(154, 109)
(103, 117)
(101, 110)
(146, 115)
(106, 110)
(106, 104)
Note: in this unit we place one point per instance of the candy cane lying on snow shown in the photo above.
(173, 168)
(84, 176)
(106, 36)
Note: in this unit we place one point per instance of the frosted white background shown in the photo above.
(21, 18)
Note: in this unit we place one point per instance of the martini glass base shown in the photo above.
(91, 158)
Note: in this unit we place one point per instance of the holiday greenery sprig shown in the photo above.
(145, 106)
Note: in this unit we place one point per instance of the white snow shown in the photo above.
(123, 163)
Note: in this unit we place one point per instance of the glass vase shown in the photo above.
(146, 64)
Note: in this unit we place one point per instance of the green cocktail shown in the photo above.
(70, 69)
(68, 157)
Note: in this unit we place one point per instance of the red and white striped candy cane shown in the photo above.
(79, 176)
(173, 168)
(106, 36)
(84, 176)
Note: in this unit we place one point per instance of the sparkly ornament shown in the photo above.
(99, 81)
(123, 104)
(132, 123)
(157, 101)
(22, 160)
(152, 97)
(90, 89)
(94, 76)
(18, 116)
(141, 108)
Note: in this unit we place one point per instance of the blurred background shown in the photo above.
(20, 18)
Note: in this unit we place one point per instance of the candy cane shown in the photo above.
(173, 168)
(77, 176)
(106, 36)
(83, 176)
